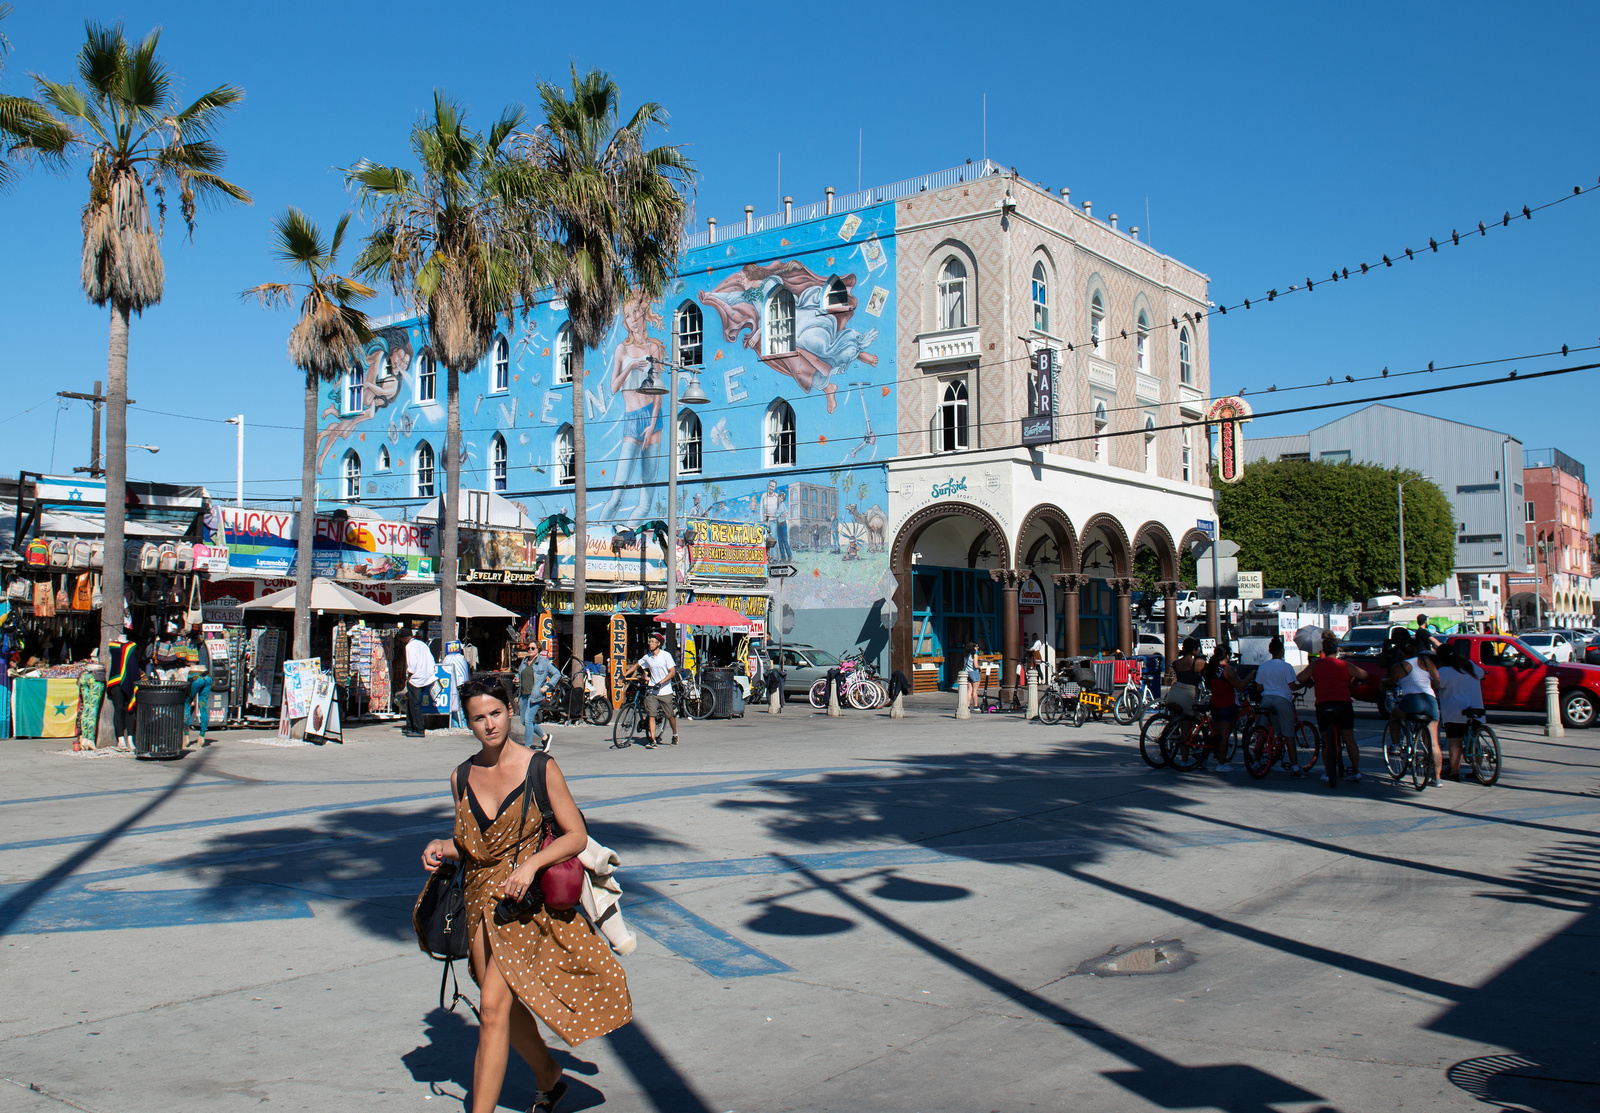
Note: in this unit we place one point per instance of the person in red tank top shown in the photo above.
(1223, 684)
(1330, 676)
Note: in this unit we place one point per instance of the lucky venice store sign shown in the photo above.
(344, 547)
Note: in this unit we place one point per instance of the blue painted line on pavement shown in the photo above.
(92, 911)
(700, 941)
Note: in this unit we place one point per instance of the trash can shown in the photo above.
(720, 682)
(159, 732)
(1154, 666)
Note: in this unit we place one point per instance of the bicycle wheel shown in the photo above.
(1185, 744)
(1080, 713)
(862, 696)
(1050, 709)
(1126, 709)
(819, 694)
(1396, 749)
(598, 711)
(625, 727)
(1421, 756)
(1307, 745)
(1258, 752)
(1150, 744)
(1486, 755)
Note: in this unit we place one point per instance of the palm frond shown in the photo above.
(101, 58)
(271, 295)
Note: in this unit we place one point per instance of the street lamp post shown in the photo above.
(1400, 497)
(1542, 549)
(693, 395)
(238, 482)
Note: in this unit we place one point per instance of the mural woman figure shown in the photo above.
(391, 346)
(642, 414)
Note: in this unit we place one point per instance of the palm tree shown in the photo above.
(447, 240)
(610, 216)
(136, 136)
(26, 126)
(327, 339)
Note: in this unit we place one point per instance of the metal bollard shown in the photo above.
(833, 700)
(962, 710)
(897, 708)
(1033, 693)
(1552, 709)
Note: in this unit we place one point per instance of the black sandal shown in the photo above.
(545, 1101)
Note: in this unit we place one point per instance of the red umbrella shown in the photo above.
(703, 614)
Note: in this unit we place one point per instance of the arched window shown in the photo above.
(1149, 445)
(780, 321)
(502, 365)
(1188, 448)
(838, 295)
(1097, 319)
(564, 354)
(691, 335)
(427, 377)
(780, 433)
(1141, 343)
(1100, 421)
(953, 416)
(566, 466)
(497, 462)
(689, 443)
(383, 457)
(1041, 299)
(354, 390)
(953, 294)
(424, 463)
(1185, 361)
(352, 477)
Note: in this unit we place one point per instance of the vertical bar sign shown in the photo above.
(1039, 426)
(547, 634)
(619, 658)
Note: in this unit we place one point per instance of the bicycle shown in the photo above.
(557, 707)
(1265, 746)
(1156, 724)
(1130, 704)
(1188, 740)
(1480, 749)
(1408, 748)
(860, 688)
(692, 699)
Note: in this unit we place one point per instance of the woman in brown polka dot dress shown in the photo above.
(547, 964)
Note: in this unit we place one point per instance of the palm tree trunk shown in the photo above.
(305, 539)
(111, 580)
(580, 513)
(448, 526)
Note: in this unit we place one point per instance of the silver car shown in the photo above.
(803, 666)
(1274, 600)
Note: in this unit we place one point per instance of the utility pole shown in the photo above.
(94, 469)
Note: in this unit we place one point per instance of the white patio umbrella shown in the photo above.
(426, 605)
(326, 596)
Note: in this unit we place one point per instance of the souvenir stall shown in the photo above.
(49, 634)
(362, 658)
(469, 607)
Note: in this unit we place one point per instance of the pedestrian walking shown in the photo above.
(455, 661)
(536, 681)
(420, 675)
(974, 675)
(658, 669)
(199, 684)
(528, 960)
(1329, 676)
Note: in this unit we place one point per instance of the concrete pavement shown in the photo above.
(850, 914)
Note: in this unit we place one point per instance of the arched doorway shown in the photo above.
(1106, 556)
(1186, 544)
(945, 595)
(1048, 544)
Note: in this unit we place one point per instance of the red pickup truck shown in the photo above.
(1513, 679)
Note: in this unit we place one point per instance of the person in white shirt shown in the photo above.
(659, 668)
(1460, 691)
(421, 672)
(1277, 697)
(455, 661)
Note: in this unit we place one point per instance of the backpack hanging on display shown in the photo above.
(185, 556)
(80, 553)
(149, 557)
(44, 602)
(169, 557)
(83, 592)
(63, 597)
(195, 613)
(97, 554)
(38, 552)
(96, 599)
(60, 553)
(20, 589)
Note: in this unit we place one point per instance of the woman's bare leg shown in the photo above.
(494, 1027)
(525, 1037)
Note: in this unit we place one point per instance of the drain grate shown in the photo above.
(1159, 956)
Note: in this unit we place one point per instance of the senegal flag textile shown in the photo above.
(46, 708)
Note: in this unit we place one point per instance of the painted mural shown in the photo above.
(800, 315)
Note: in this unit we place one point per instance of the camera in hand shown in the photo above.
(507, 909)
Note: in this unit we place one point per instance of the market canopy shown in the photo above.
(325, 596)
(703, 614)
(468, 605)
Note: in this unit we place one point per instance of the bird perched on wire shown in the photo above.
(1349, 378)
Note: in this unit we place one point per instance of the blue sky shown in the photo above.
(1270, 142)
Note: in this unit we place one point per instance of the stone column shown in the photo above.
(1123, 586)
(1169, 592)
(1072, 584)
(1010, 631)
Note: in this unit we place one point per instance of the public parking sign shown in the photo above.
(1250, 585)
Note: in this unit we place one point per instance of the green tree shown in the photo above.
(609, 220)
(326, 340)
(451, 240)
(1334, 527)
(137, 136)
(27, 127)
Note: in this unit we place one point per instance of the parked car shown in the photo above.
(1591, 651)
(1274, 600)
(803, 666)
(1150, 643)
(1513, 680)
(1554, 644)
(1187, 604)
